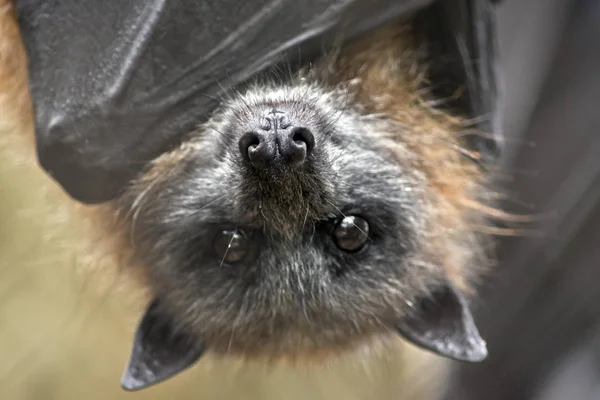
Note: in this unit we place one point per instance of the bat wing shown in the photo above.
(114, 83)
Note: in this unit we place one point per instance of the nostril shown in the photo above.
(249, 142)
(302, 136)
(253, 140)
(296, 145)
(257, 148)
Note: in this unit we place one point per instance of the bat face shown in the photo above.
(319, 245)
(294, 223)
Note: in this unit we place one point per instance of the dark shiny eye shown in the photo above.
(351, 233)
(231, 246)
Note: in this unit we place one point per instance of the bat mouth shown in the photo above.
(284, 198)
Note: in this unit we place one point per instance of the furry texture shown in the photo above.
(381, 152)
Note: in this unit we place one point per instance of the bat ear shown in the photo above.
(443, 324)
(159, 351)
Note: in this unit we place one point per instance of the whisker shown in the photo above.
(498, 231)
(138, 205)
(228, 247)
(260, 208)
(305, 217)
(473, 155)
(210, 96)
(235, 324)
(504, 215)
(220, 132)
(207, 204)
(225, 94)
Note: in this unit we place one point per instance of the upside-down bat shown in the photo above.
(317, 209)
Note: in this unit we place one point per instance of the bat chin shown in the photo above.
(440, 322)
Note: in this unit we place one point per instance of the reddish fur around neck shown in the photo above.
(388, 78)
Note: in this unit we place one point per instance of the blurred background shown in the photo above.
(540, 310)
(63, 338)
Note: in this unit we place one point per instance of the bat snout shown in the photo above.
(278, 138)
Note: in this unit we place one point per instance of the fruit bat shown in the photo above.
(115, 86)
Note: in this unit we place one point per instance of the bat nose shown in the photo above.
(276, 139)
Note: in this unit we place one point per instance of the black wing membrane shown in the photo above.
(114, 83)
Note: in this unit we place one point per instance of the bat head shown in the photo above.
(291, 224)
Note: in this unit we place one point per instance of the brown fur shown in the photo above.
(389, 79)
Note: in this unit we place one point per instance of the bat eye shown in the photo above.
(231, 246)
(351, 233)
